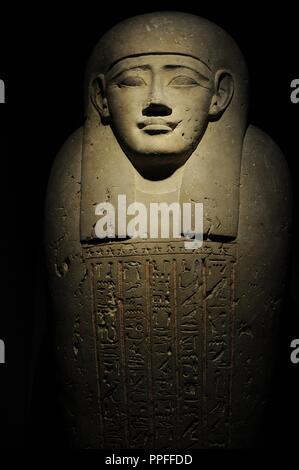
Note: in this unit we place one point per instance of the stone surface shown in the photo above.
(160, 346)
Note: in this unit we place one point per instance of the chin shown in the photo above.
(165, 144)
(158, 158)
(159, 154)
(161, 149)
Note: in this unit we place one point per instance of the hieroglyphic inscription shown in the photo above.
(190, 340)
(163, 351)
(164, 331)
(110, 360)
(218, 332)
(136, 350)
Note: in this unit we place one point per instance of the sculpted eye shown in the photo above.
(131, 81)
(183, 81)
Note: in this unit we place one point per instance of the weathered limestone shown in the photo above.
(160, 346)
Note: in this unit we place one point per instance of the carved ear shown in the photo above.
(224, 90)
(98, 96)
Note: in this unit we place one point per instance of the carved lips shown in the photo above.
(154, 126)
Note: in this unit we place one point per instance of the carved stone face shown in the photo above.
(159, 105)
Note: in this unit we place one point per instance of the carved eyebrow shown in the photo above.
(126, 69)
(175, 66)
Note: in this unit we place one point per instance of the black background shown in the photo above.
(47, 53)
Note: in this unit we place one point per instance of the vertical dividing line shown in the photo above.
(123, 358)
(96, 349)
(176, 362)
(150, 352)
(204, 357)
(232, 349)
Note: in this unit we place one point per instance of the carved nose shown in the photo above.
(156, 109)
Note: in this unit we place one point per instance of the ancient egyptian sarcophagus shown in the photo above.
(159, 344)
